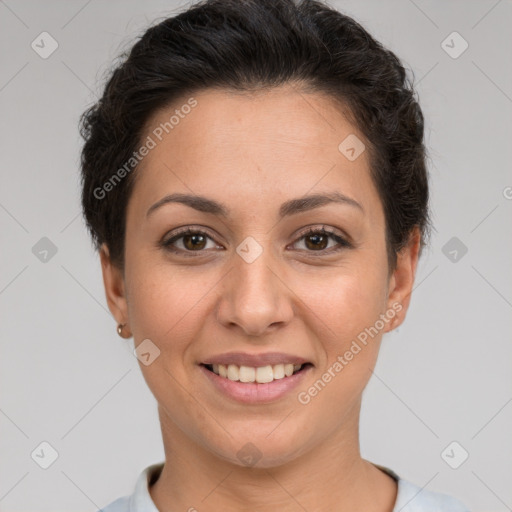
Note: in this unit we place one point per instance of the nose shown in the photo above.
(255, 297)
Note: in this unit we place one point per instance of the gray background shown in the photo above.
(69, 380)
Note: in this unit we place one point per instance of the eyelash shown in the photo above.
(343, 244)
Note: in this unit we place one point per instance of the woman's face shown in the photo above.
(255, 282)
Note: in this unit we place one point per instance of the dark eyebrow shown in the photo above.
(291, 207)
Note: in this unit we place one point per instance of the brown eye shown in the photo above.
(196, 241)
(317, 240)
(191, 240)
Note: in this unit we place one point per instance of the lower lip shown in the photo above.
(254, 392)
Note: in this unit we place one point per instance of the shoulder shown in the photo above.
(412, 498)
(119, 505)
(140, 500)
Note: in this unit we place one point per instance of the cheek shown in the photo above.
(165, 307)
(171, 305)
(164, 300)
(346, 303)
(349, 304)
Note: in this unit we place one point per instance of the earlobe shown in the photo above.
(402, 280)
(113, 282)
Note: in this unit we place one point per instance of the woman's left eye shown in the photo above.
(318, 239)
(195, 240)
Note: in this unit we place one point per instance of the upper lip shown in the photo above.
(254, 360)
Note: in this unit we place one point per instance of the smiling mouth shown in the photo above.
(259, 375)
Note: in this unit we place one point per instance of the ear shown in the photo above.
(402, 280)
(113, 282)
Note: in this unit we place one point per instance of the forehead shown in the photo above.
(249, 146)
(287, 118)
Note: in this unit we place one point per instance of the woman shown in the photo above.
(254, 179)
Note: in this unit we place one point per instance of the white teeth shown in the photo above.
(278, 371)
(233, 372)
(247, 374)
(261, 374)
(264, 374)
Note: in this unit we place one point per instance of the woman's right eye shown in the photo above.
(191, 240)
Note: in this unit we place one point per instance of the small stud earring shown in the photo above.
(120, 329)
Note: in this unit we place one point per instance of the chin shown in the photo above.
(258, 451)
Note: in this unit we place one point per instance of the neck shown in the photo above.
(331, 476)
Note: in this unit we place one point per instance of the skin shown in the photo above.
(252, 153)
